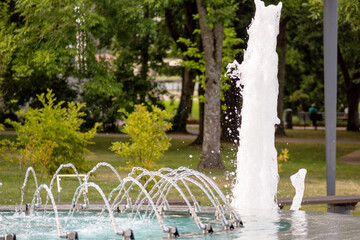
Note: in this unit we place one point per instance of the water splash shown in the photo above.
(60, 231)
(30, 169)
(298, 181)
(67, 165)
(151, 201)
(257, 173)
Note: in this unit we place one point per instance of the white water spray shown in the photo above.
(257, 171)
(298, 181)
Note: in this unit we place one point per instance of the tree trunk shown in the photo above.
(188, 83)
(185, 106)
(231, 116)
(352, 94)
(212, 43)
(281, 46)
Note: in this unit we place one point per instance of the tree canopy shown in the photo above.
(107, 52)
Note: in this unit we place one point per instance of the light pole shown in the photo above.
(330, 81)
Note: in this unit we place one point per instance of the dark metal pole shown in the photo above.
(330, 75)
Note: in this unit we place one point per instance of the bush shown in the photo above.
(50, 136)
(283, 157)
(148, 140)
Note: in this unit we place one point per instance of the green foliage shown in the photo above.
(41, 39)
(283, 157)
(348, 40)
(300, 99)
(229, 52)
(220, 11)
(135, 39)
(304, 56)
(147, 131)
(50, 136)
(38, 48)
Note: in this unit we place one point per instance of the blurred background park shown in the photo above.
(109, 56)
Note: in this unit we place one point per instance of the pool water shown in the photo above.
(91, 226)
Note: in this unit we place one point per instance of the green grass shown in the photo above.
(302, 155)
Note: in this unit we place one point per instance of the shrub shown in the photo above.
(148, 140)
(283, 157)
(50, 136)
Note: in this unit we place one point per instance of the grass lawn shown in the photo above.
(172, 106)
(302, 155)
(320, 134)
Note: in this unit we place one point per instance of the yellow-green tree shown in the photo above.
(148, 140)
(51, 136)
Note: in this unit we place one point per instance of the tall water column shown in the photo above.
(257, 171)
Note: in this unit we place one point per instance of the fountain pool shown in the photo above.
(274, 224)
(148, 214)
(90, 226)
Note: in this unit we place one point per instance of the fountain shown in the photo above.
(257, 173)
(151, 202)
(298, 181)
(38, 198)
(152, 214)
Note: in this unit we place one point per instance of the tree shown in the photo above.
(231, 98)
(281, 45)
(148, 140)
(175, 17)
(289, 12)
(349, 58)
(286, 14)
(38, 48)
(50, 136)
(57, 44)
(194, 60)
(304, 63)
(212, 30)
(137, 40)
(231, 114)
(348, 53)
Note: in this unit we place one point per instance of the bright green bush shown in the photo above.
(50, 136)
(148, 140)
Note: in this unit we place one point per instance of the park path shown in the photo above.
(351, 158)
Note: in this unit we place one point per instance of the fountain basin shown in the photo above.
(89, 225)
(265, 224)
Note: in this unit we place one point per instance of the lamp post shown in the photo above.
(330, 81)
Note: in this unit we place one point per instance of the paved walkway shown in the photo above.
(351, 158)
